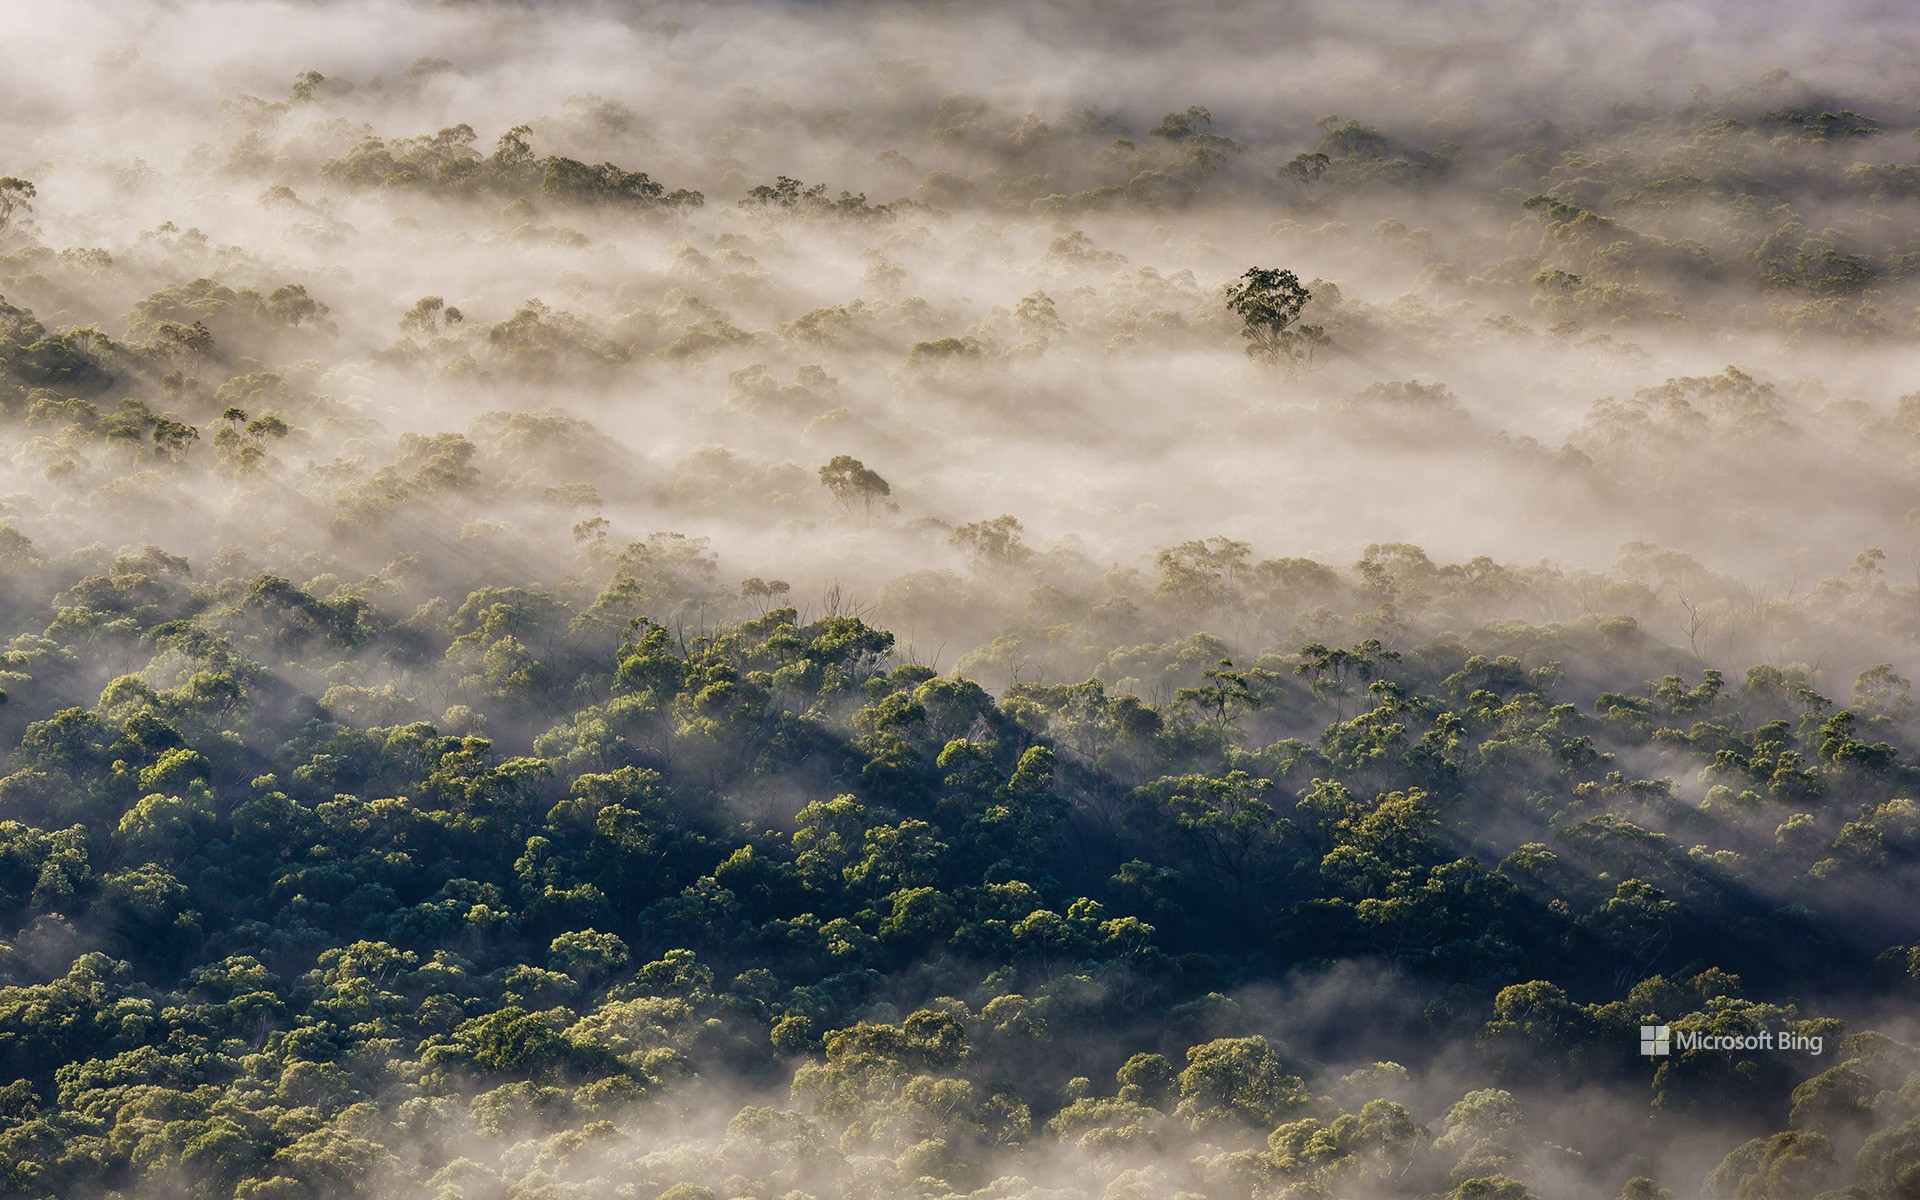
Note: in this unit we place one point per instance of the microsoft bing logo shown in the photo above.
(1656, 1041)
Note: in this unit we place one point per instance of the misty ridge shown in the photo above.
(772, 601)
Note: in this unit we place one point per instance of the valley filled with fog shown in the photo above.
(748, 600)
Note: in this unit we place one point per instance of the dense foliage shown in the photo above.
(406, 792)
(307, 943)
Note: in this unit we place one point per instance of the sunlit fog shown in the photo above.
(1108, 601)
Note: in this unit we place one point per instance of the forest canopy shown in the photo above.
(1297, 603)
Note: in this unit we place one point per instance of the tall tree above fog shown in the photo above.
(1269, 302)
(14, 197)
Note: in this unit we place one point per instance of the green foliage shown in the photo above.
(584, 929)
(1268, 303)
(855, 487)
(16, 196)
(416, 825)
(788, 196)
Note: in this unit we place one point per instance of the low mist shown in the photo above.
(706, 601)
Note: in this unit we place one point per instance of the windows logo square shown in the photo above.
(1654, 1040)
